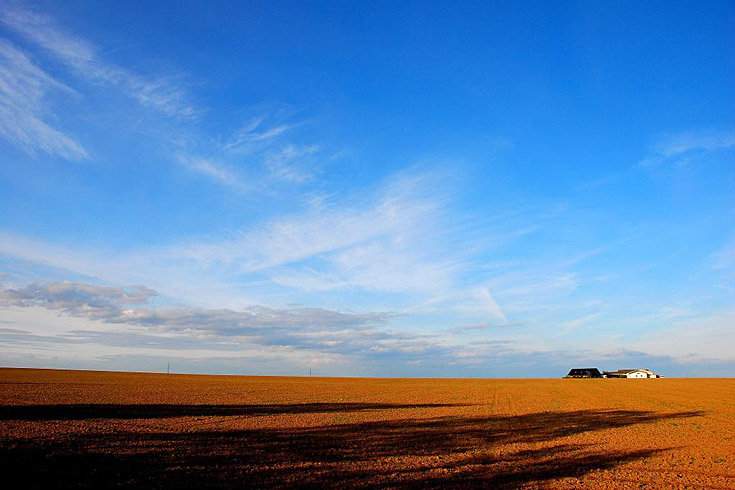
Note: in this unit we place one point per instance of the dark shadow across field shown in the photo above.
(432, 452)
(158, 411)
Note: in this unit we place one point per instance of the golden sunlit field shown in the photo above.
(99, 429)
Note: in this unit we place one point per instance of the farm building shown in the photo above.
(584, 373)
(631, 373)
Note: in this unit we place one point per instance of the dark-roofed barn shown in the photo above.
(584, 373)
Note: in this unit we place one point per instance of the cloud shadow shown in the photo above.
(158, 411)
(453, 451)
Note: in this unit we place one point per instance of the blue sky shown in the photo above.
(496, 189)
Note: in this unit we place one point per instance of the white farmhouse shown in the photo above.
(632, 373)
(636, 373)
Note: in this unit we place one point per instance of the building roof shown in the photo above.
(584, 371)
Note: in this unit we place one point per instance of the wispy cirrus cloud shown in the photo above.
(255, 133)
(260, 157)
(215, 171)
(677, 145)
(162, 94)
(24, 117)
(391, 240)
(283, 163)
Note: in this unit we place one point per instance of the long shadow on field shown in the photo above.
(158, 411)
(435, 452)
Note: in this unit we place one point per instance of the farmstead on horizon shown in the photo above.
(620, 373)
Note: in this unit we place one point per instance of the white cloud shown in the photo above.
(23, 115)
(161, 94)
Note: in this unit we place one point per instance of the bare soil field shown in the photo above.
(102, 429)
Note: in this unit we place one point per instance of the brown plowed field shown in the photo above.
(99, 429)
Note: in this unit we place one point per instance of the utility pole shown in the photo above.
(310, 372)
(168, 368)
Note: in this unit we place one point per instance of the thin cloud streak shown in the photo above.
(215, 171)
(254, 133)
(263, 153)
(678, 143)
(674, 145)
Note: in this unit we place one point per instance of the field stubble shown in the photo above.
(99, 429)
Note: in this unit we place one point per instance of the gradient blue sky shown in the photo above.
(494, 189)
